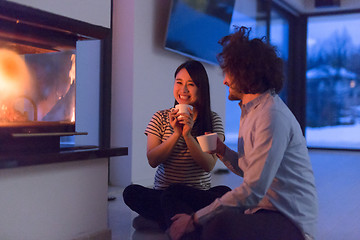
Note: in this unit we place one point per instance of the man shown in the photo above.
(277, 199)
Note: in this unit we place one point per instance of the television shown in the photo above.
(195, 28)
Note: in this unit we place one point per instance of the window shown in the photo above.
(251, 15)
(254, 15)
(333, 82)
(279, 37)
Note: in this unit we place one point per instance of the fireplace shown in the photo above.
(37, 77)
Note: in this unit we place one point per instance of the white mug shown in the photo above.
(183, 108)
(207, 142)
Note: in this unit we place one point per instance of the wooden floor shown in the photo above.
(337, 176)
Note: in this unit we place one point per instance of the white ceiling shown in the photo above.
(308, 6)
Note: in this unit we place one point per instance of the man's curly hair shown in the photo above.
(253, 64)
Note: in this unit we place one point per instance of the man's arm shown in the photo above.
(228, 157)
(230, 160)
(262, 161)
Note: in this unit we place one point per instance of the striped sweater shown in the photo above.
(179, 167)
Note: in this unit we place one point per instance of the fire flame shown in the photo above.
(17, 93)
(14, 81)
(14, 74)
(72, 70)
(72, 75)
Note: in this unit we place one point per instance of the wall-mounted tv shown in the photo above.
(195, 27)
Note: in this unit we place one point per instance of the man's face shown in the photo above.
(234, 94)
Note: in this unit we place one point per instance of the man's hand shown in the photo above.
(220, 147)
(182, 223)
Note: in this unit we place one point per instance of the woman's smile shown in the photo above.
(185, 90)
(184, 97)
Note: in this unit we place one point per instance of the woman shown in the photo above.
(172, 148)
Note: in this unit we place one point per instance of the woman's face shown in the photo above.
(185, 90)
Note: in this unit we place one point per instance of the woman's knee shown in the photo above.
(131, 192)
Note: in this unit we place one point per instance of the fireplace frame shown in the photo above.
(44, 29)
(26, 26)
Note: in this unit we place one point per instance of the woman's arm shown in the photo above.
(206, 161)
(157, 151)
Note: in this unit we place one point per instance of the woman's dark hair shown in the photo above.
(253, 64)
(199, 76)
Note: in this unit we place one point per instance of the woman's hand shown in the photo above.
(175, 124)
(187, 122)
(181, 123)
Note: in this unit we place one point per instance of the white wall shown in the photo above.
(54, 201)
(142, 83)
(96, 12)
